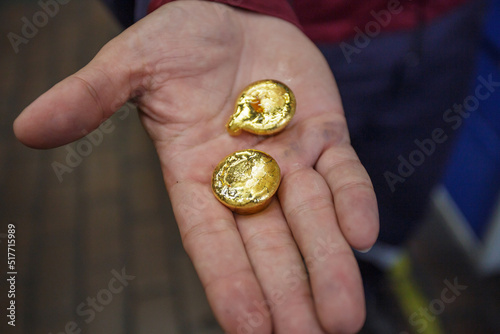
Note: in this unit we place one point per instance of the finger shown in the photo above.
(79, 103)
(280, 271)
(213, 243)
(334, 275)
(354, 198)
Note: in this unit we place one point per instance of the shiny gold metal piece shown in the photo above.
(264, 108)
(246, 181)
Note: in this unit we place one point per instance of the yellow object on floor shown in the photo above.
(411, 299)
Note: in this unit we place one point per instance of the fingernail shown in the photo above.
(364, 251)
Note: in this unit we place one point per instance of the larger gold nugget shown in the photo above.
(263, 108)
(246, 181)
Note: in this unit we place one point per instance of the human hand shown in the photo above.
(184, 66)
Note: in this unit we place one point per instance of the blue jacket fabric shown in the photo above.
(128, 11)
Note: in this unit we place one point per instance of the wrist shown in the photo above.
(277, 8)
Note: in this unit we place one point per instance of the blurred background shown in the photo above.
(97, 247)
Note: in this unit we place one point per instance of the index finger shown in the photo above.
(213, 242)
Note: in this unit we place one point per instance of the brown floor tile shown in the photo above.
(155, 316)
(149, 258)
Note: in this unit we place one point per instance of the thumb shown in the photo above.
(79, 103)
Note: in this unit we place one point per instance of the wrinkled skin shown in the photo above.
(184, 66)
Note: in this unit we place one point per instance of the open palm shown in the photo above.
(184, 66)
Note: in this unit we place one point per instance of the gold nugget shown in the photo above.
(246, 181)
(263, 108)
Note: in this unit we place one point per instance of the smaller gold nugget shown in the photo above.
(264, 107)
(246, 181)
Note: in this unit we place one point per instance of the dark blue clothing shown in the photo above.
(395, 92)
(128, 11)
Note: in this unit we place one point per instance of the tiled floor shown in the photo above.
(111, 214)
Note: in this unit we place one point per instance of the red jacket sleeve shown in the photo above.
(277, 8)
